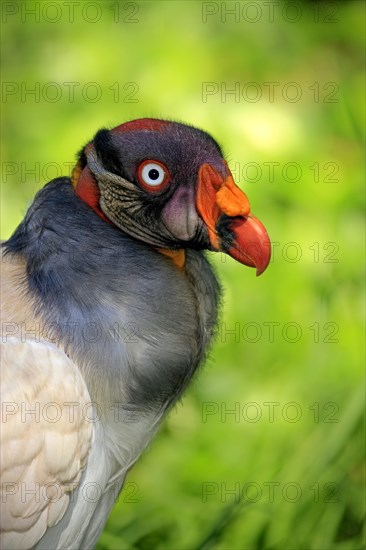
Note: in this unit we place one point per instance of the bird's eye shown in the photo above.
(153, 175)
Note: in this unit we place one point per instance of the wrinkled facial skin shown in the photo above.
(172, 213)
(198, 205)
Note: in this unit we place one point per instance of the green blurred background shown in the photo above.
(284, 470)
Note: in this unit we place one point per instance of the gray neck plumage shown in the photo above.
(136, 326)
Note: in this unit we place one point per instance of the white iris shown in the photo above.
(153, 174)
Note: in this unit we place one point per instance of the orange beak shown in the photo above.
(225, 209)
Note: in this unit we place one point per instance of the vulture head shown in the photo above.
(167, 184)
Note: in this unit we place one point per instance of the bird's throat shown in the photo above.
(86, 188)
(177, 256)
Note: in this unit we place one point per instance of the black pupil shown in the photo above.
(153, 174)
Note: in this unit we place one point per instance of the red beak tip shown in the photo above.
(252, 244)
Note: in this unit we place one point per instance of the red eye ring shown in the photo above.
(153, 176)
